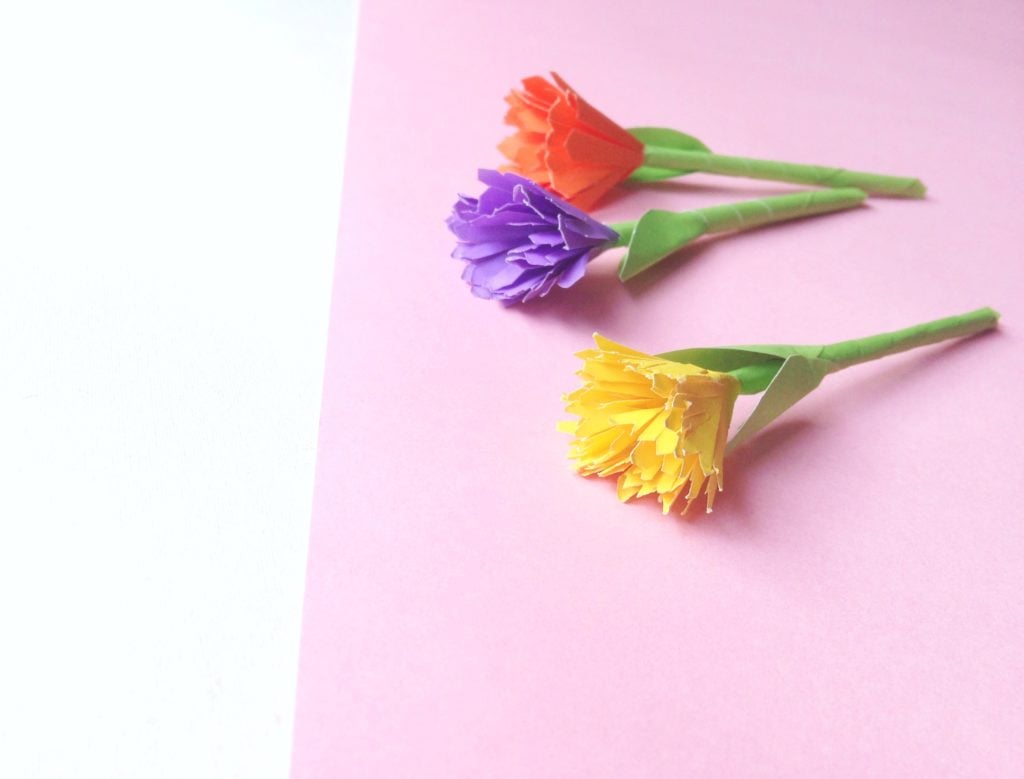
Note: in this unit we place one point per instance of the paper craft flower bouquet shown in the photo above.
(660, 422)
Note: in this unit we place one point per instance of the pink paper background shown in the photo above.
(855, 605)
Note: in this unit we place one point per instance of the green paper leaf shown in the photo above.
(664, 138)
(754, 370)
(648, 175)
(783, 350)
(657, 235)
(730, 359)
(797, 377)
(723, 359)
(667, 138)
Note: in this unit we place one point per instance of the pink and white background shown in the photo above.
(853, 607)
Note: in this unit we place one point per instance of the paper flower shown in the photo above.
(659, 425)
(567, 145)
(660, 422)
(519, 240)
(563, 142)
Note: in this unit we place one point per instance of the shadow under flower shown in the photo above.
(598, 301)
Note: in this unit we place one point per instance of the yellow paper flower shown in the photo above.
(660, 425)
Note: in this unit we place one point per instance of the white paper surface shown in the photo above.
(170, 184)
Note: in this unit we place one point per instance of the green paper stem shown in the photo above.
(658, 234)
(846, 353)
(756, 377)
(755, 213)
(685, 160)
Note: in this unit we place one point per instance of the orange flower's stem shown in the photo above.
(771, 170)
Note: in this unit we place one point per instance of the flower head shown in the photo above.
(564, 143)
(660, 425)
(519, 240)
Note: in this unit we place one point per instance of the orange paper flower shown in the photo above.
(565, 144)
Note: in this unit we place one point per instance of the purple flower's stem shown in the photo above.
(755, 213)
(625, 231)
(778, 208)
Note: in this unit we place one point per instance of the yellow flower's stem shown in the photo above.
(846, 353)
(755, 378)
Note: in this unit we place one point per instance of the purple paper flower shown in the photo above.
(518, 240)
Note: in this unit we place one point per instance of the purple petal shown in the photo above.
(574, 272)
(519, 240)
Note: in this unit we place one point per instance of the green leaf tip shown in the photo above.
(657, 235)
(663, 137)
(798, 377)
(724, 359)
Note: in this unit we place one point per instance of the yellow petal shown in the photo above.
(660, 426)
